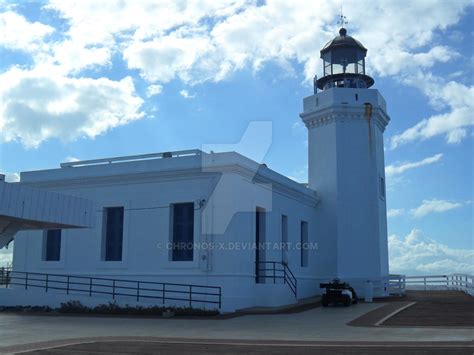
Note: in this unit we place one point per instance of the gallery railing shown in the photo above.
(139, 290)
(276, 271)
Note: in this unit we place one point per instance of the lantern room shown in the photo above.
(344, 64)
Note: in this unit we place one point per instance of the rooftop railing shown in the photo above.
(176, 154)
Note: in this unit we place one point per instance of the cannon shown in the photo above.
(338, 292)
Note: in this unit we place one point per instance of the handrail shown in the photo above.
(118, 287)
(278, 271)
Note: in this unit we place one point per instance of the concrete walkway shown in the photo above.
(319, 324)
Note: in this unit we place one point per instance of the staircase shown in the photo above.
(276, 272)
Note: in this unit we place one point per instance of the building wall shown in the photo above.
(228, 197)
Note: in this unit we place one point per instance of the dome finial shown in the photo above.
(342, 21)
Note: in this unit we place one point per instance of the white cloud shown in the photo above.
(11, 177)
(70, 159)
(186, 94)
(6, 256)
(416, 254)
(35, 106)
(433, 206)
(396, 169)
(395, 212)
(453, 124)
(154, 90)
(160, 60)
(204, 40)
(19, 34)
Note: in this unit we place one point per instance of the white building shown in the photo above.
(234, 213)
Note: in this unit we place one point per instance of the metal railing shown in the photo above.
(5, 275)
(139, 290)
(277, 270)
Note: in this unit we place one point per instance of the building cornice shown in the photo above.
(340, 113)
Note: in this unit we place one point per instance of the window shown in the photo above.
(183, 232)
(284, 238)
(304, 244)
(113, 222)
(382, 188)
(52, 245)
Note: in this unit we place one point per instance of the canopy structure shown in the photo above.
(26, 208)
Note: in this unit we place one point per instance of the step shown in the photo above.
(302, 305)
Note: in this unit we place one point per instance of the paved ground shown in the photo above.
(26, 332)
(319, 324)
(166, 347)
(436, 308)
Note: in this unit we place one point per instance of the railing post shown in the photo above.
(47, 282)
(190, 296)
(138, 291)
(164, 290)
(7, 282)
(424, 281)
(90, 287)
(220, 297)
(113, 290)
(26, 281)
(67, 287)
(274, 277)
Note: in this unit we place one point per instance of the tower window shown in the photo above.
(357, 97)
(382, 188)
(52, 245)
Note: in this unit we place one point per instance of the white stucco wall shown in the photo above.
(231, 187)
(346, 162)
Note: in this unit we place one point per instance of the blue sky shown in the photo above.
(85, 79)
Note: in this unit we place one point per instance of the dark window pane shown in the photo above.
(183, 232)
(114, 233)
(53, 245)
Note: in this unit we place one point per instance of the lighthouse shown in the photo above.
(346, 118)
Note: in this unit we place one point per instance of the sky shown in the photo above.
(91, 79)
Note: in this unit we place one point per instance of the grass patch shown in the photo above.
(76, 307)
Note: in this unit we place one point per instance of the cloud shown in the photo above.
(154, 90)
(11, 177)
(6, 256)
(70, 159)
(201, 41)
(36, 106)
(17, 33)
(186, 94)
(395, 212)
(396, 169)
(433, 206)
(453, 124)
(208, 40)
(416, 254)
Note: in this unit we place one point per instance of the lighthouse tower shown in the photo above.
(346, 120)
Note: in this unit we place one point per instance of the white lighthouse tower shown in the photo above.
(346, 121)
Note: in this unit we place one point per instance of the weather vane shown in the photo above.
(342, 19)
